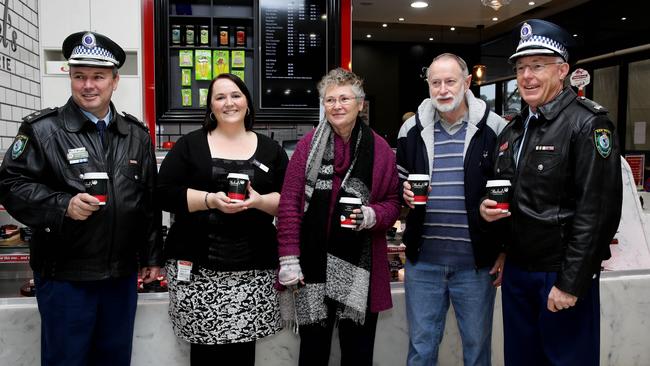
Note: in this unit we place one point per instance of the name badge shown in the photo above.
(77, 155)
(184, 270)
(544, 148)
(261, 166)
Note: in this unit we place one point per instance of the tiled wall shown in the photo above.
(19, 66)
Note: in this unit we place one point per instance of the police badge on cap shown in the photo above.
(539, 37)
(92, 49)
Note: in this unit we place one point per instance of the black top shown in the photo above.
(202, 236)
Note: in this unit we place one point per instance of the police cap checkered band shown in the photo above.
(92, 49)
(539, 37)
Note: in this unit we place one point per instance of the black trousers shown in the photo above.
(240, 354)
(357, 341)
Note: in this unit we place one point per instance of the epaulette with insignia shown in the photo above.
(591, 105)
(135, 120)
(40, 114)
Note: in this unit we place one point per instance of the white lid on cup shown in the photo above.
(498, 183)
(418, 177)
(95, 175)
(352, 200)
(237, 176)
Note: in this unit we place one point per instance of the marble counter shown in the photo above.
(625, 331)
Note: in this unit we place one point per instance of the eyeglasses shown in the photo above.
(534, 68)
(343, 100)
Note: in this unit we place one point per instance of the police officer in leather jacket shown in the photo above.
(561, 156)
(85, 256)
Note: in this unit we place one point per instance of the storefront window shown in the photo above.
(638, 107)
(511, 98)
(488, 94)
(606, 90)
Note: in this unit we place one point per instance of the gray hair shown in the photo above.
(341, 77)
(461, 63)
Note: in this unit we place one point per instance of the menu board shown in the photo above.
(293, 43)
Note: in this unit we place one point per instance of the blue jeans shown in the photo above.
(429, 289)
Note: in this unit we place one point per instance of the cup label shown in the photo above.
(346, 211)
(97, 188)
(237, 189)
(420, 191)
(500, 195)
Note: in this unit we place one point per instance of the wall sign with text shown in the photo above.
(293, 45)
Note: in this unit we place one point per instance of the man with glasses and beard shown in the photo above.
(561, 155)
(450, 256)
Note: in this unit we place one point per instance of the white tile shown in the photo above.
(35, 89)
(5, 79)
(11, 97)
(3, 128)
(25, 85)
(5, 111)
(6, 142)
(12, 129)
(21, 100)
(37, 103)
(2, 95)
(20, 69)
(15, 82)
(16, 113)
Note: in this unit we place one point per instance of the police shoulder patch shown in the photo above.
(18, 147)
(31, 118)
(603, 140)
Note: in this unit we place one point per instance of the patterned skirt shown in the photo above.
(223, 307)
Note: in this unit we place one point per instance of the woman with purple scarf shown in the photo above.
(341, 274)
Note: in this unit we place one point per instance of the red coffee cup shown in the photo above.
(348, 204)
(499, 190)
(237, 184)
(96, 184)
(420, 188)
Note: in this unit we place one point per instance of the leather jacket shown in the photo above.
(42, 172)
(566, 190)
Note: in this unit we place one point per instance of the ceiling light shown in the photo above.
(368, 35)
(400, 19)
(384, 25)
(419, 4)
(495, 4)
(575, 34)
(452, 29)
(495, 19)
(531, 3)
(623, 18)
(430, 38)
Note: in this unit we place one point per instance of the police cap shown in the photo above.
(92, 49)
(539, 37)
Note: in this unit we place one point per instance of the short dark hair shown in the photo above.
(210, 124)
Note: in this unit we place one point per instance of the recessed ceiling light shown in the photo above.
(623, 18)
(419, 4)
(531, 3)
(384, 25)
(495, 19)
(368, 35)
(575, 34)
(400, 19)
(452, 29)
(430, 38)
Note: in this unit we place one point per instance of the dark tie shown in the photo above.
(101, 128)
(521, 141)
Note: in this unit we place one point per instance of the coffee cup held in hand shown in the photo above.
(96, 184)
(499, 191)
(420, 188)
(348, 204)
(237, 184)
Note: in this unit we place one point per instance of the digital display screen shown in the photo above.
(293, 42)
